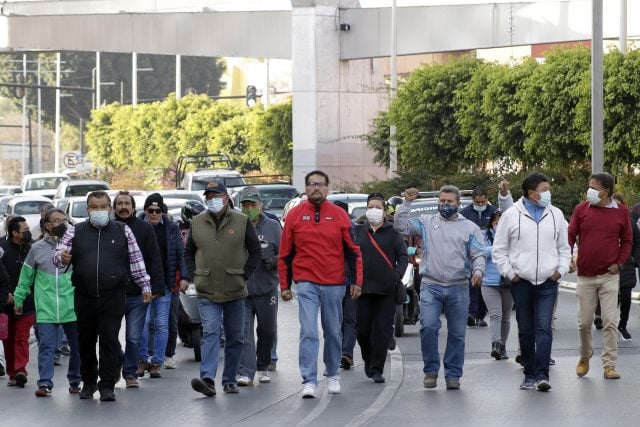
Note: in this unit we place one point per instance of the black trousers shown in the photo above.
(256, 354)
(624, 300)
(99, 321)
(375, 326)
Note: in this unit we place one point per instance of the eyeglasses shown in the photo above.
(316, 184)
(59, 221)
(154, 211)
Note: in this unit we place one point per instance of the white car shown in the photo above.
(42, 184)
(76, 209)
(28, 207)
(182, 194)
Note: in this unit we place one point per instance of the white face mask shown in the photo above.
(375, 215)
(99, 218)
(592, 196)
(215, 205)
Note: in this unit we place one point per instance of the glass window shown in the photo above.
(29, 208)
(79, 210)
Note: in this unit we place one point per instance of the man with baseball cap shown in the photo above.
(221, 254)
(261, 303)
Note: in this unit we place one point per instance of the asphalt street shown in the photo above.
(489, 395)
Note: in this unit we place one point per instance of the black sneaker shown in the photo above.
(2, 370)
(230, 388)
(598, 322)
(503, 352)
(43, 391)
(471, 321)
(378, 378)
(205, 386)
(481, 323)
(74, 388)
(21, 379)
(88, 390)
(391, 345)
(552, 361)
(346, 362)
(495, 350)
(107, 395)
(626, 336)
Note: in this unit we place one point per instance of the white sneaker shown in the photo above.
(169, 363)
(244, 380)
(263, 377)
(333, 384)
(308, 391)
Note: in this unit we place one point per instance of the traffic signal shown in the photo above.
(251, 96)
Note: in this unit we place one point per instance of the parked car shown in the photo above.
(10, 189)
(76, 209)
(207, 168)
(28, 207)
(353, 200)
(274, 196)
(182, 194)
(4, 202)
(42, 184)
(75, 188)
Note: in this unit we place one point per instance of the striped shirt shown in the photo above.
(136, 261)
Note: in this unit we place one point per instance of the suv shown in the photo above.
(42, 184)
(208, 168)
(274, 196)
(76, 188)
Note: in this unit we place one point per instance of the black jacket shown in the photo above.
(4, 286)
(378, 278)
(148, 245)
(13, 258)
(628, 272)
(479, 218)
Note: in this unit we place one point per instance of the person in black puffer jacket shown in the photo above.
(628, 277)
(381, 272)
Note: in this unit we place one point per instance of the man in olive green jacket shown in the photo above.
(222, 252)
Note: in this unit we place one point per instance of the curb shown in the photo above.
(572, 286)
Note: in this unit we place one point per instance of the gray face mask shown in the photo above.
(99, 218)
(215, 205)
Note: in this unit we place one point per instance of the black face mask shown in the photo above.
(26, 237)
(59, 230)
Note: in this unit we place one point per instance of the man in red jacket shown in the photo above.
(316, 240)
(602, 229)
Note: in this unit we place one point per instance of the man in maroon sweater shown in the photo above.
(602, 229)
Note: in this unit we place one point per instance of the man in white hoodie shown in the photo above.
(531, 248)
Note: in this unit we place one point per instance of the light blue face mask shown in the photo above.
(215, 205)
(99, 218)
(479, 208)
(545, 199)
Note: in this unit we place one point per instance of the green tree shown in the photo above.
(272, 138)
(378, 139)
(424, 114)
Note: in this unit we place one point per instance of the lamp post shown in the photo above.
(393, 144)
(597, 90)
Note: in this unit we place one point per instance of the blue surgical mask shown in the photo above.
(545, 199)
(215, 205)
(479, 208)
(446, 210)
(99, 218)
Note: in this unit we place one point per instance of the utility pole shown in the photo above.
(98, 96)
(24, 116)
(597, 89)
(393, 144)
(39, 168)
(178, 76)
(134, 79)
(623, 26)
(56, 161)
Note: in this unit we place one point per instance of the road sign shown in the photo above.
(71, 159)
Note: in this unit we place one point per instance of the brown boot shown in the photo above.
(154, 371)
(142, 366)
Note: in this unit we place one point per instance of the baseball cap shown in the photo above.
(250, 194)
(215, 187)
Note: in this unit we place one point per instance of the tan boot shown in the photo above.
(611, 374)
(583, 366)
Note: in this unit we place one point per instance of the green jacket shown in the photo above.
(53, 292)
(220, 259)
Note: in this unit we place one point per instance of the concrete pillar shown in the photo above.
(334, 101)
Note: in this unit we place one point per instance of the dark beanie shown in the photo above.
(378, 196)
(154, 199)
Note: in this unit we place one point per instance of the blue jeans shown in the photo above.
(454, 300)
(534, 312)
(211, 314)
(134, 315)
(158, 311)
(47, 345)
(328, 300)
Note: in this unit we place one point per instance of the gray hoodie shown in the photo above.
(451, 249)
(264, 281)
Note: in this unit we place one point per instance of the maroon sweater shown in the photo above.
(604, 237)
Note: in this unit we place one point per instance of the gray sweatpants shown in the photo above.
(499, 303)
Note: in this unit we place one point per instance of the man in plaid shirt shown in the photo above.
(103, 253)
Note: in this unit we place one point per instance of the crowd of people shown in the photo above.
(80, 282)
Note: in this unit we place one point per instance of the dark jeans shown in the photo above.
(173, 326)
(477, 307)
(349, 330)
(375, 326)
(534, 312)
(624, 299)
(99, 319)
(257, 355)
